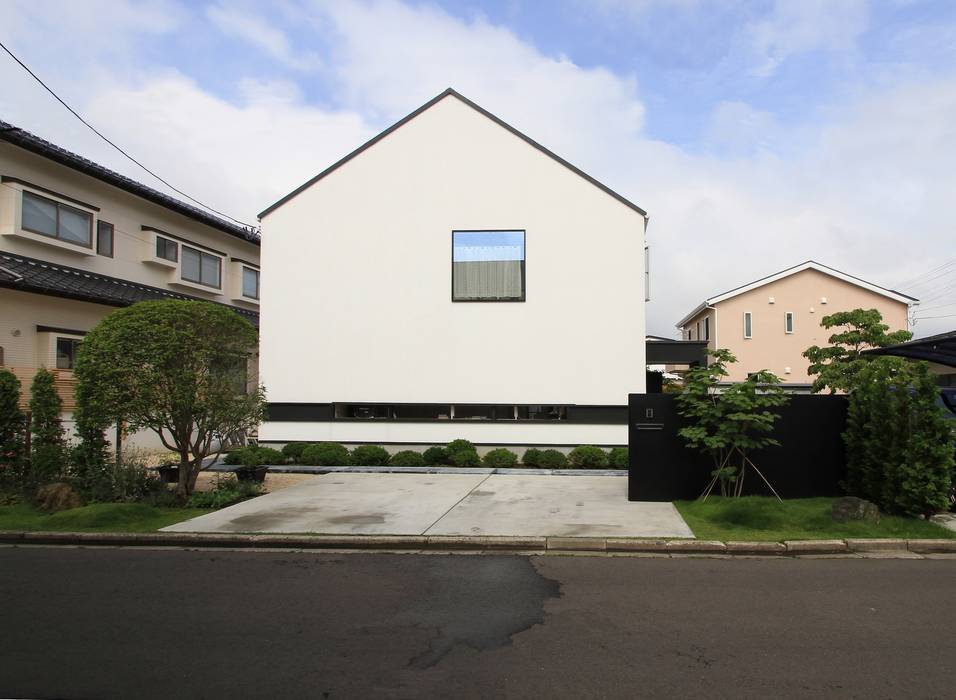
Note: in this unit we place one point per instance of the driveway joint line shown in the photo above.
(457, 503)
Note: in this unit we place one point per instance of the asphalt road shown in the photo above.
(124, 623)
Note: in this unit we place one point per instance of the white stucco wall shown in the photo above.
(356, 300)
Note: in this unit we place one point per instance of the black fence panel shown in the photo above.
(810, 460)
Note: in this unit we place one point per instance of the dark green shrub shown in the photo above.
(618, 458)
(227, 492)
(326, 454)
(553, 459)
(588, 457)
(235, 456)
(293, 451)
(436, 456)
(531, 457)
(465, 458)
(460, 446)
(369, 456)
(407, 458)
(48, 447)
(12, 426)
(254, 456)
(500, 459)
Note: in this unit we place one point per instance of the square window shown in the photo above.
(39, 214)
(66, 352)
(167, 249)
(104, 239)
(201, 267)
(250, 283)
(488, 266)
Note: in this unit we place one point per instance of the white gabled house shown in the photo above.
(452, 278)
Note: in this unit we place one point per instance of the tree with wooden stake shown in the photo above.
(174, 367)
(731, 423)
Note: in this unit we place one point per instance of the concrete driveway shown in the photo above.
(449, 504)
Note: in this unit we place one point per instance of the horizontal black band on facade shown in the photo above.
(372, 412)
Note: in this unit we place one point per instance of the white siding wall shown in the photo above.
(357, 303)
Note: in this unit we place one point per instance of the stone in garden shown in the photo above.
(58, 496)
(853, 508)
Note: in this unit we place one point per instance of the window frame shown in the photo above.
(166, 241)
(524, 263)
(242, 282)
(788, 322)
(112, 229)
(57, 205)
(56, 351)
(201, 253)
(748, 325)
(706, 328)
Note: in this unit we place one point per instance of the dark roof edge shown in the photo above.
(28, 141)
(481, 110)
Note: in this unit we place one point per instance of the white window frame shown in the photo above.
(748, 325)
(788, 323)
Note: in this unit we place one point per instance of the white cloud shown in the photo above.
(256, 30)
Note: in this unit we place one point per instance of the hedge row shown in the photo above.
(457, 453)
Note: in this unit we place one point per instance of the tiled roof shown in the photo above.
(30, 142)
(42, 277)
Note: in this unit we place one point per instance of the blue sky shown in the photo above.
(756, 134)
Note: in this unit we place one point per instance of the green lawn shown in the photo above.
(98, 517)
(766, 519)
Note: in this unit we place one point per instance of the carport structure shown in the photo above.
(938, 350)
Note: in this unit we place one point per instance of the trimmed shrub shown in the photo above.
(588, 457)
(618, 458)
(436, 456)
(326, 454)
(552, 459)
(227, 492)
(465, 458)
(500, 459)
(460, 446)
(369, 456)
(531, 457)
(254, 456)
(293, 451)
(235, 456)
(12, 423)
(407, 458)
(48, 448)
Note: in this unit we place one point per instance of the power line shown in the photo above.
(917, 279)
(93, 129)
(925, 318)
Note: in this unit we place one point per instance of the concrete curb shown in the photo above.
(885, 548)
(512, 471)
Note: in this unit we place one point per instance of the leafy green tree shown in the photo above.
(729, 424)
(836, 365)
(12, 426)
(171, 367)
(899, 445)
(48, 447)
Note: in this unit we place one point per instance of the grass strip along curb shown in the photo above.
(482, 543)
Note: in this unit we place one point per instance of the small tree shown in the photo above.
(47, 448)
(837, 364)
(729, 425)
(12, 422)
(899, 445)
(171, 367)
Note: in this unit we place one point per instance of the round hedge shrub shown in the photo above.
(235, 456)
(436, 456)
(293, 451)
(465, 458)
(552, 459)
(326, 454)
(500, 459)
(618, 458)
(588, 457)
(254, 456)
(369, 456)
(460, 446)
(531, 457)
(407, 458)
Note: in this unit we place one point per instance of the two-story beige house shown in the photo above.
(768, 323)
(78, 240)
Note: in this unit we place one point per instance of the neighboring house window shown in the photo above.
(488, 266)
(56, 220)
(250, 282)
(698, 330)
(167, 249)
(66, 352)
(788, 322)
(706, 328)
(201, 267)
(104, 239)
(748, 324)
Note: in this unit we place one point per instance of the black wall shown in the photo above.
(810, 460)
